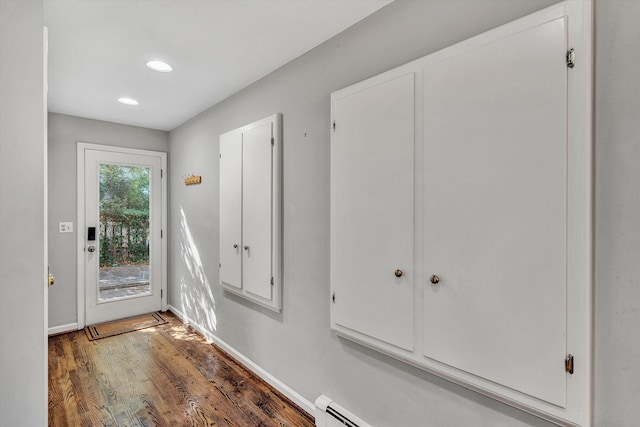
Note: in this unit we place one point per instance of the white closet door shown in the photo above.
(372, 210)
(257, 209)
(495, 211)
(231, 209)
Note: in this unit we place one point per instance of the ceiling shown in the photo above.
(98, 50)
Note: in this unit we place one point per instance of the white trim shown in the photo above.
(70, 327)
(164, 180)
(295, 397)
(581, 89)
(80, 220)
(45, 213)
(80, 233)
(276, 212)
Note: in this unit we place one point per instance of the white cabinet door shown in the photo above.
(257, 208)
(495, 211)
(250, 206)
(372, 210)
(231, 209)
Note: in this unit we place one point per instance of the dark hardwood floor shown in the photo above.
(162, 376)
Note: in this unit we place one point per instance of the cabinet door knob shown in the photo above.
(434, 279)
(246, 248)
(398, 273)
(235, 246)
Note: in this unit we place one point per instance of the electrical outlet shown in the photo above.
(65, 227)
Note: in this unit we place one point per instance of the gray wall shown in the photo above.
(23, 363)
(297, 346)
(64, 134)
(617, 214)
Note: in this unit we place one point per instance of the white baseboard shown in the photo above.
(303, 403)
(63, 328)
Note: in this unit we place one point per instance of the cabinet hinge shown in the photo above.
(161, 293)
(333, 298)
(272, 281)
(571, 57)
(273, 141)
(334, 125)
(162, 234)
(220, 155)
(568, 364)
(161, 173)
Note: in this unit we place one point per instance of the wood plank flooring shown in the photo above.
(162, 376)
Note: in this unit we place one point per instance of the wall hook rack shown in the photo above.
(192, 179)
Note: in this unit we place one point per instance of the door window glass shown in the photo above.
(124, 232)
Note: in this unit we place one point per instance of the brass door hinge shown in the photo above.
(568, 364)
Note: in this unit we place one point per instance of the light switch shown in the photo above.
(65, 227)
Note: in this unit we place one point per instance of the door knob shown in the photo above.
(91, 248)
(398, 273)
(246, 248)
(235, 246)
(434, 279)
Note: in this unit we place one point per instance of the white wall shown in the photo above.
(64, 133)
(297, 346)
(23, 364)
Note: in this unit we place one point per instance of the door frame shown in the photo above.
(80, 279)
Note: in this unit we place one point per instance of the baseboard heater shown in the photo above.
(330, 414)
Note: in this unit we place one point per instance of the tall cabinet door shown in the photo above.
(231, 209)
(372, 210)
(495, 211)
(257, 209)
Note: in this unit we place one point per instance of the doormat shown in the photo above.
(122, 326)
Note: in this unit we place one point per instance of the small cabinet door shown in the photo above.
(257, 209)
(372, 233)
(231, 209)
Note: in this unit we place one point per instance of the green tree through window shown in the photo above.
(124, 215)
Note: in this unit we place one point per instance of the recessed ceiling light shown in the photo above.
(128, 101)
(159, 66)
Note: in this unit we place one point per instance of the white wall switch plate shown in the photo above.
(65, 227)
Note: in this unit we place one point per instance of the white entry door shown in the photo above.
(121, 217)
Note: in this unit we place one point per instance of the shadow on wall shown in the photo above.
(196, 301)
